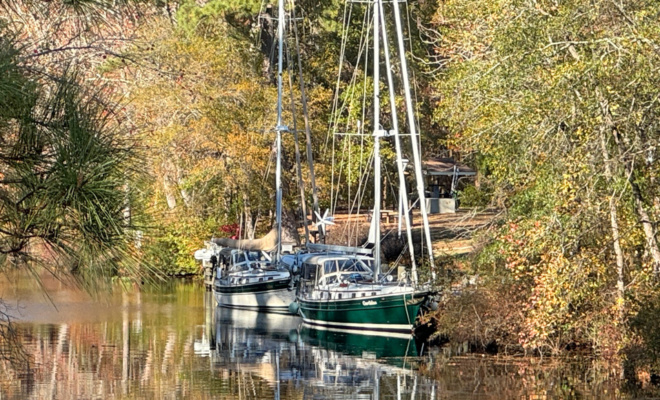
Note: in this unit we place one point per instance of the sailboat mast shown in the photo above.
(308, 135)
(417, 162)
(377, 135)
(403, 195)
(279, 128)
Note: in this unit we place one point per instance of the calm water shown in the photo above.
(173, 342)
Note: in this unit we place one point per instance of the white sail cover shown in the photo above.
(372, 229)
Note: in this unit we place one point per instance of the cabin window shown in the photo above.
(309, 271)
(339, 296)
(354, 265)
(270, 278)
(330, 266)
(364, 294)
(261, 279)
(330, 280)
(353, 295)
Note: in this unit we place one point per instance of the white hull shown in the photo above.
(271, 301)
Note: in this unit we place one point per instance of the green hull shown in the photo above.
(390, 313)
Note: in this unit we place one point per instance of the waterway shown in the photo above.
(172, 342)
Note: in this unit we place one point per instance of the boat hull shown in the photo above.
(385, 313)
(274, 296)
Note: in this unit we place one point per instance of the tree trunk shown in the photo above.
(169, 193)
(290, 227)
(301, 184)
(615, 230)
(255, 224)
(249, 228)
(268, 42)
(187, 199)
(649, 231)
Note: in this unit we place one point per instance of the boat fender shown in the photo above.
(293, 336)
(433, 305)
(294, 307)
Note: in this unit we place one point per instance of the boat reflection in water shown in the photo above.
(173, 342)
(275, 356)
(386, 348)
(251, 342)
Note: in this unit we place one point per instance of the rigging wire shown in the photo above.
(416, 104)
(414, 76)
(342, 165)
(348, 12)
(343, 106)
(303, 98)
(337, 112)
(359, 196)
(270, 57)
(347, 99)
(301, 184)
(362, 120)
(344, 38)
(349, 169)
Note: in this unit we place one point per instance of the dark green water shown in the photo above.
(173, 342)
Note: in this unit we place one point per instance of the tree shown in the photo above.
(64, 164)
(560, 103)
(206, 116)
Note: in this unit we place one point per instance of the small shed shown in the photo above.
(442, 176)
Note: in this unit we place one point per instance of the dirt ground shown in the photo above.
(452, 233)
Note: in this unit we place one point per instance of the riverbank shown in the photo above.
(506, 293)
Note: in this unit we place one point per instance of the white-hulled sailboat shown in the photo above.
(246, 275)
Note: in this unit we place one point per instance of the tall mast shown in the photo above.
(403, 196)
(417, 163)
(377, 134)
(308, 135)
(279, 129)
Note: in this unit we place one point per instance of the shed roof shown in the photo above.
(437, 166)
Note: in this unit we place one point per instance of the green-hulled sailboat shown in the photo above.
(341, 289)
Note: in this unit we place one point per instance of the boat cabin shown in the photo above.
(333, 270)
(236, 260)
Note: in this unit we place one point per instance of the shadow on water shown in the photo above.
(173, 342)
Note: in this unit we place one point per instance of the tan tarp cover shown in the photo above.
(265, 243)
